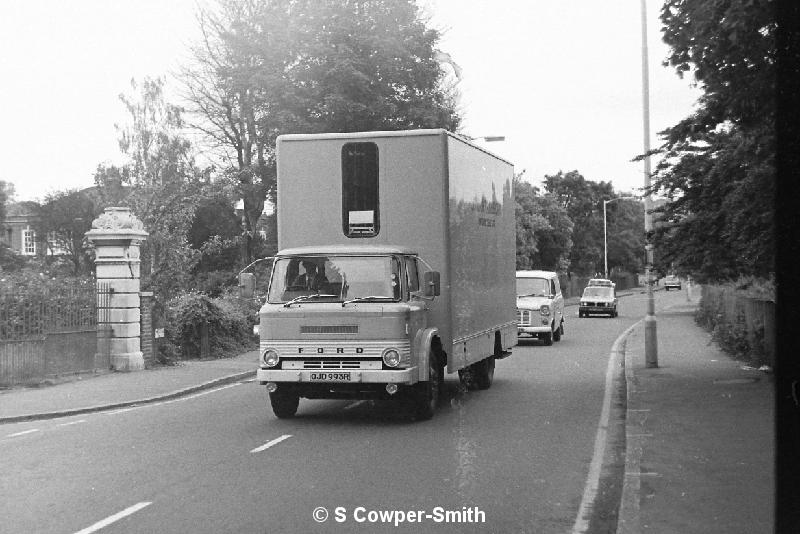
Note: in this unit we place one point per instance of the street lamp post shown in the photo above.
(650, 338)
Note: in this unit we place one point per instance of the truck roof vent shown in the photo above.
(333, 329)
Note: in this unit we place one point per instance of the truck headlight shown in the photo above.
(545, 309)
(391, 357)
(270, 358)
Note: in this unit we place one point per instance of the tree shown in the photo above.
(583, 202)
(625, 235)
(163, 184)
(544, 231)
(718, 169)
(266, 67)
(64, 219)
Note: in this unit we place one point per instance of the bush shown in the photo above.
(227, 321)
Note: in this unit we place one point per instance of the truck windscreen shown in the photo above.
(335, 278)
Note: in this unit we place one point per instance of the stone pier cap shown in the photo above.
(116, 224)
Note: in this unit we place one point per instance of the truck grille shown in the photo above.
(331, 329)
(332, 364)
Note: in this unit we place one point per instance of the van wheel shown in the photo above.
(425, 395)
(548, 338)
(558, 332)
(284, 404)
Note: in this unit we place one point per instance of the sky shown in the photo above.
(560, 80)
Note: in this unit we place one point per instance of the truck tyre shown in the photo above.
(558, 331)
(425, 396)
(484, 373)
(284, 404)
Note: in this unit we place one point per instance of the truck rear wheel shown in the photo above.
(284, 404)
(484, 373)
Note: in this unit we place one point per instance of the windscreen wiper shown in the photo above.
(306, 297)
(371, 297)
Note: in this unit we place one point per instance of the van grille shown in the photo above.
(332, 329)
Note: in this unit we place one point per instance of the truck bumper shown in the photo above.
(401, 376)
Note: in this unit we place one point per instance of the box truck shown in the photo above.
(395, 266)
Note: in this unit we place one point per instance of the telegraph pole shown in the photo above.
(650, 338)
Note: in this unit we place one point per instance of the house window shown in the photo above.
(29, 241)
(360, 209)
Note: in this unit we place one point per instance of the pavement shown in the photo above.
(93, 393)
(699, 428)
(700, 436)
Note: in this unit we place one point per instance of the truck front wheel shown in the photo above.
(284, 404)
(425, 396)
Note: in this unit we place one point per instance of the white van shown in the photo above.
(540, 305)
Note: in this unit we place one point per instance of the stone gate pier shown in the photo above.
(117, 235)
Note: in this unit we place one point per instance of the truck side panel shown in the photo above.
(482, 242)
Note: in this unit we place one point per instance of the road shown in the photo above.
(514, 458)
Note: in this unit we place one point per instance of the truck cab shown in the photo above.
(352, 318)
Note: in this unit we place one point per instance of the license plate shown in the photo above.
(331, 377)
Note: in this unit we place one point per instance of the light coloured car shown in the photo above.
(672, 282)
(540, 305)
(598, 300)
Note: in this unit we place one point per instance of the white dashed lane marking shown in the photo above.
(114, 518)
(269, 444)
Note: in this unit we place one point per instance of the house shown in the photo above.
(18, 228)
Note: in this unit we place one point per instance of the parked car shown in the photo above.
(540, 305)
(599, 300)
(672, 281)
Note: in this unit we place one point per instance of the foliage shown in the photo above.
(6, 195)
(625, 235)
(583, 201)
(64, 219)
(721, 312)
(544, 231)
(228, 320)
(160, 183)
(718, 169)
(266, 67)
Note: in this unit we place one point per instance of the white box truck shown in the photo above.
(396, 264)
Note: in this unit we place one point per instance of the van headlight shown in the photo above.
(391, 357)
(545, 309)
(270, 358)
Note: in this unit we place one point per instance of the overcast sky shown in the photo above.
(560, 79)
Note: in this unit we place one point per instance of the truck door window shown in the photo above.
(360, 206)
(412, 275)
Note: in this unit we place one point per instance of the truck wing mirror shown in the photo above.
(431, 282)
(247, 285)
